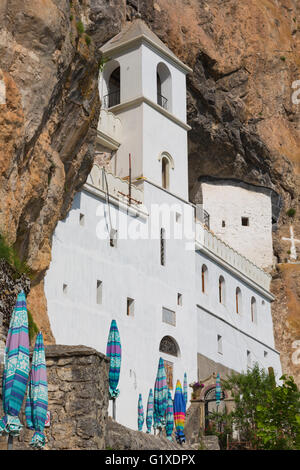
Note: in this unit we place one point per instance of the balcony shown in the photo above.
(162, 101)
(111, 99)
(109, 131)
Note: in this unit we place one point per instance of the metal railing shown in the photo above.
(202, 215)
(111, 99)
(162, 101)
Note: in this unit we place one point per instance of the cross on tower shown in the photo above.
(293, 240)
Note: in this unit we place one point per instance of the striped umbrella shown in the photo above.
(160, 394)
(218, 390)
(156, 422)
(140, 413)
(16, 369)
(185, 389)
(114, 352)
(169, 417)
(179, 413)
(37, 394)
(150, 408)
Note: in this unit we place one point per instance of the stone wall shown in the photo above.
(78, 399)
(207, 366)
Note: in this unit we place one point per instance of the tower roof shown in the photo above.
(137, 31)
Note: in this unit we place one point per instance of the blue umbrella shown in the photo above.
(37, 394)
(16, 369)
(218, 390)
(150, 408)
(140, 413)
(169, 417)
(160, 395)
(114, 352)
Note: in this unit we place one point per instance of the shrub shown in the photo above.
(8, 253)
(87, 39)
(291, 212)
(80, 27)
(32, 327)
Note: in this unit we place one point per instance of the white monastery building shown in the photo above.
(134, 249)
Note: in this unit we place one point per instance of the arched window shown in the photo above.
(167, 164)
(238, 300)
(165, 169)
(113, 88)
(168, 345)
(164, 86)
(221, 290)
(253, 310)
(203, 277)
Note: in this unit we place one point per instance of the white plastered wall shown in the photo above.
(228, 203)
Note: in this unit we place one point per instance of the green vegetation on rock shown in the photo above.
(8, 253)
(32, 327)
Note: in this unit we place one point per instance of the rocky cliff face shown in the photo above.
(48, 117)
(245, 57)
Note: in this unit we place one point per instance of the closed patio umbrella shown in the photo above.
(37, 394)
(160, 395)
(185, 389)
(169, 417)
(16, 369)
(140, 413)
(150, 408)
(179, 413)
(114, 352)
(218, 390)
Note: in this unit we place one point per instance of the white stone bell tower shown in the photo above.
(144, 84)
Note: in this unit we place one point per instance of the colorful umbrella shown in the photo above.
(150, 408)
(179, 413)
(37, 394)
(218, 390)
(114, 352)
(185, 389)
(16, 368)
(169, 417)
(140, 413)
(156, 421)
(160, 395)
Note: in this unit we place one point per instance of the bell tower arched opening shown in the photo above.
(164, 86)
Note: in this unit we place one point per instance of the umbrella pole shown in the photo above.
(114, 409)
(10, 442)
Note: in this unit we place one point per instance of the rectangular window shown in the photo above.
(248, 359)
(178, 217)
(162, 247)
(113, 237)
(81, 219)
(65, 288)
(220, 344)
(99, 292)
(130, 307)
(245, 221)
(265, 354)
(179, 299)
(168, 316)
